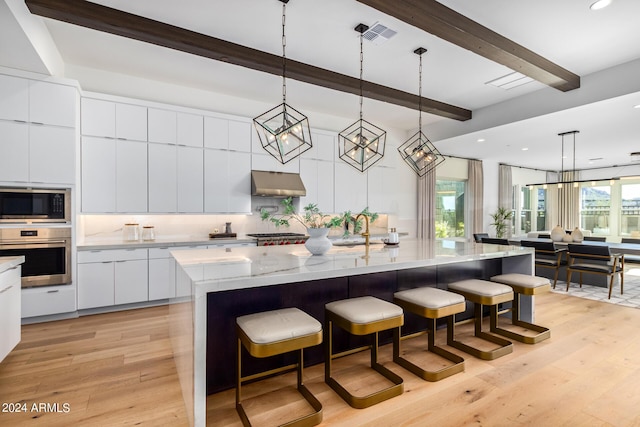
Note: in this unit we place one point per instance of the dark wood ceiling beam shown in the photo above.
(113, 21)
(449, 25)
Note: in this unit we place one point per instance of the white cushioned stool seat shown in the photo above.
(430, 302)
(278, 325)
(482, 291)
(524, 283)
(364, 309)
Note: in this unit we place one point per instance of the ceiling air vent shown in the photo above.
(510, 81)
(635, 156)
(378, 33)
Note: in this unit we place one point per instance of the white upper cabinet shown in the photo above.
(98, 175)
(190, 175)
(162, 126)
(131, 122)
(324, 147)
(266, 162)
(52, 104)
(350, 188)
(131, 176)
(239, 136)
(97, 118)
(227, 181)
(52, 154)
(14, 98)
(216, 133)
(163, 178)
(14, 151)
(190, 130)
(223, 134)
(109, 119)
(381, 195)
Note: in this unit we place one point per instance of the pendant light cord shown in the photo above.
(361, 66)
(284, 55)
(420, 95)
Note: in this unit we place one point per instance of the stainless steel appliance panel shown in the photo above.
(47, 253)
(35, 205)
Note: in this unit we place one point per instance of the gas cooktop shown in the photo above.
(273, 239)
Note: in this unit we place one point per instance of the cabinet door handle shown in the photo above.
(6, 289)
(121, 260)
(53, 291)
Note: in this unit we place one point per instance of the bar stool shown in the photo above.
(481, 292)
(432, 304)
(362, 316)
(523, 284)
(276, 332)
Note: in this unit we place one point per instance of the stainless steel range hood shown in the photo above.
(276, 184)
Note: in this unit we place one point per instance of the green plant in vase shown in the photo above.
(311, 217)
(500, 218)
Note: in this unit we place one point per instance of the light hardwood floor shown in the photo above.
(117, 369)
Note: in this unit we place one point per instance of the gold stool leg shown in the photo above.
(425, 374)
(505, 347)
(309, 420)
(371, 399)
(542, 332)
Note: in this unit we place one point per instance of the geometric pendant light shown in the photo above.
(418, 152)
(283, 131)
(362, 143)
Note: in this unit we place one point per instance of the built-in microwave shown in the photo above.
(35, 205)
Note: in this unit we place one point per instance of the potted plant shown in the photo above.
(317, 224)
(500, 218)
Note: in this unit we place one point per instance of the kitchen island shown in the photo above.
(229, 282)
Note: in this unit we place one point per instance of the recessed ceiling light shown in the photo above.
(481, 140)
(600, 4)
(636, 106)
(525, 149)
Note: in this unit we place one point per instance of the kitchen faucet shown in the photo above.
(364, 234)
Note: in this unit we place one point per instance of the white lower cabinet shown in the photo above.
(111, 277)
(162, 274)
(48, 300)
(9, 310)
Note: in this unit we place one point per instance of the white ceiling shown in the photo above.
(321, 33)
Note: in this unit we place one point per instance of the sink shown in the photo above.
(351, 243)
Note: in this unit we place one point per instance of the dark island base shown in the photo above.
(224, 307)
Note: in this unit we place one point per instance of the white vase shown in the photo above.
(576, 235)
(567, 238)
(318, 243)
(557, 234)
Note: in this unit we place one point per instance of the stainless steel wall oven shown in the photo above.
(47, 253)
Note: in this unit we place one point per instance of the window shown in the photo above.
(541, 209)
(630, 220)
(525, 209)
(595, 208)
(450, 208)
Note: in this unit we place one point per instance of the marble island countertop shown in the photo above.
(9, 262)
(245, 267)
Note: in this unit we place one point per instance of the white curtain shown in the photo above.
(475, 197)
(569, 201)
(427, 205)
(505, 187)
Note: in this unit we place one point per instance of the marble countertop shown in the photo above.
(9, 262)
(214, 270)
(98, 243)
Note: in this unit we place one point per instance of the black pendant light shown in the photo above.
(418, 152)
(284, 131)
(361, 144)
